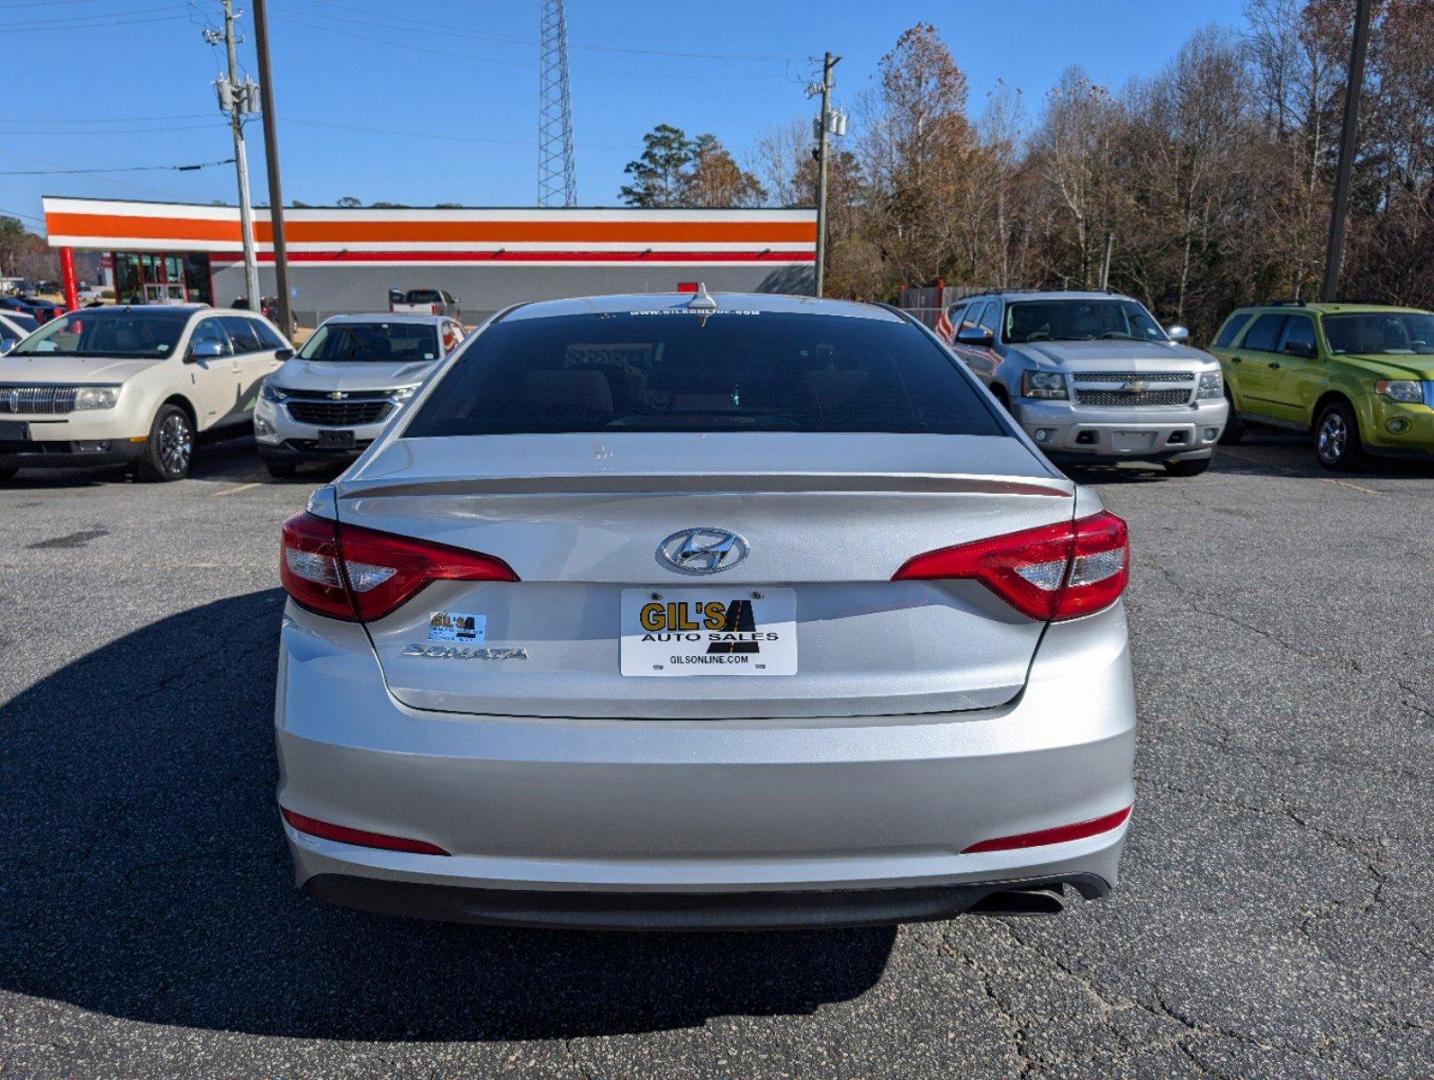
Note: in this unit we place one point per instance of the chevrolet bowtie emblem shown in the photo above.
(337, 395)
(1136, 386)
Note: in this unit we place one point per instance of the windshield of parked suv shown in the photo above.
(1079, 320)
(677, 370)
(1373, 333)
(141, 332)
(373, 342)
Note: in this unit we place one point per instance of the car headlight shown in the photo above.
(1211, 385)
(96, 397)
(270, 392)
(1406, 390)
(403, 393)
(1043, 384)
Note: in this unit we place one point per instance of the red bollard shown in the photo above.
(67, 276)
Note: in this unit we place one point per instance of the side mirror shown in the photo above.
(1300, 348)
(1177, 333)
(974, 335)
(6, 344)
(283, 354)
(205, 350)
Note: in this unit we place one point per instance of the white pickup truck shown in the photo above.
(423, 302)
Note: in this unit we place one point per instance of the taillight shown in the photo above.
(362, 837)
(309, 566)
(1061, 834)
(349, 572)
(1052, 572)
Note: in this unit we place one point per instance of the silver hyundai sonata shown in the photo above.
(690, 611)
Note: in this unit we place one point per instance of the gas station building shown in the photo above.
(347, 260)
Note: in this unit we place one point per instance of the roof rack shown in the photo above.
(998, 292)
(1283, 303)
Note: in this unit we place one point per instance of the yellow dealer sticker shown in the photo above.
(709, 631)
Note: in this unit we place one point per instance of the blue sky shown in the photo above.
(437, 102)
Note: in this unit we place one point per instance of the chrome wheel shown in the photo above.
(176, 444)
(1332, 438)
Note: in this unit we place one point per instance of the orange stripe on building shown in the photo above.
(122, 226)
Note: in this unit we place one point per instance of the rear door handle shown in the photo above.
(1274, 364)
(1237, 360)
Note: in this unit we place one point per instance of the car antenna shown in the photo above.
(701, 299)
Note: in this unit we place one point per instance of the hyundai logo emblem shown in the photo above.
(702, 551)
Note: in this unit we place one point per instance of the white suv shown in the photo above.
(132, 386)
(350, 378)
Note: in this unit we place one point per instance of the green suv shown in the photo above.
(1359, 376)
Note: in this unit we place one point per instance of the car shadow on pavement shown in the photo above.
(146, 877)
(215, 458)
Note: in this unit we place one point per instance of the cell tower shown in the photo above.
(557, 181)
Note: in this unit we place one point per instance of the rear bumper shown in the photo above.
(770, 910)
(1123, 434)
(600, 822)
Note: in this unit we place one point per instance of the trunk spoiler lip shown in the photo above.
(745, 483)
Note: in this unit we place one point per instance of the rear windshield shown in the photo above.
(424, 296)
(671, 370)
(144, 332)
(372, 342)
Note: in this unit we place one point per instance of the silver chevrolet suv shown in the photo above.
(1092, 377)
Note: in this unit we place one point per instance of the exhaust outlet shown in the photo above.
(1043, 900)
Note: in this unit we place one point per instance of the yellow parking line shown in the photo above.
(1295, 472)
(1351, 484)
(233, 490)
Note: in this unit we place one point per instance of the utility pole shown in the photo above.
(1105, 262)
(823, 142)
(271, 164)
(1348, 147)
(232, 97)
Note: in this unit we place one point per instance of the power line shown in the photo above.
(44, 4)
(70, 26)
(426, 27)
(106, 119)
(369, 130)
(143, 188)
(195, 167)
(17, 214)
(31, 134)
(326, 21)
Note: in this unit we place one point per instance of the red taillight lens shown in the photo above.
(362, 837)
(1053, 572)
(309, 566)
(348, 572)
(1059, 835)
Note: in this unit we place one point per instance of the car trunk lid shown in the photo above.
(828, 519)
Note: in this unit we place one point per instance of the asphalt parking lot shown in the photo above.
(1273, 919)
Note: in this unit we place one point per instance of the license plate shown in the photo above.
(709, 631)
(1132, 440)
(15, 430)
(336, 440)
